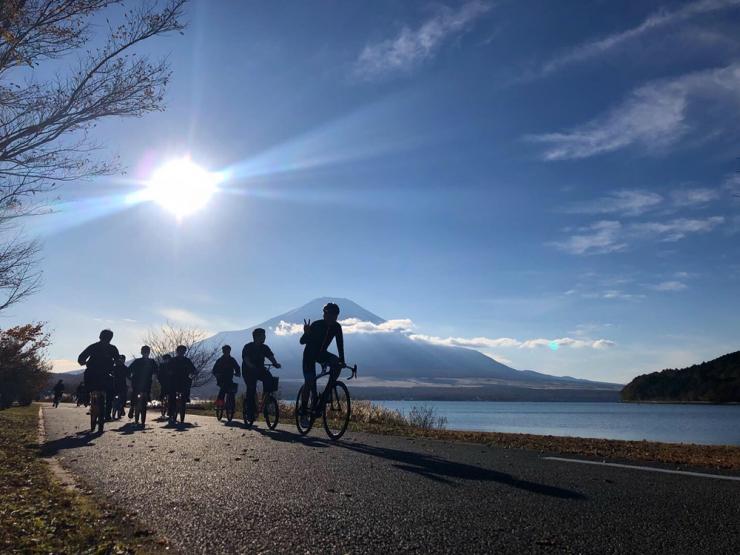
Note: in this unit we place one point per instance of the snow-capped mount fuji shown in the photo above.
(387, 357)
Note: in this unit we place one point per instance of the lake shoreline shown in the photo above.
(676, 455)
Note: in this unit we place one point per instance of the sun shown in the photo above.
(181, 186)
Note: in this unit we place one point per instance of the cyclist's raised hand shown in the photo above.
(306, 325)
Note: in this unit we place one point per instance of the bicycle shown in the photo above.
(229, 403)
(270, 407)
(176, 407)
(97, 410)
(334, 406)
(140, 408)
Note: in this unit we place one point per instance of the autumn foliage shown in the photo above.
(24, 370)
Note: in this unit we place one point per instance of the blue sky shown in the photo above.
(503, 174)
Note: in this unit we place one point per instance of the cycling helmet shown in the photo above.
(331, 308)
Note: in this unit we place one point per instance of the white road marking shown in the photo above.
(647, 468)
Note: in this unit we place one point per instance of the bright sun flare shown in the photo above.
(181, 186)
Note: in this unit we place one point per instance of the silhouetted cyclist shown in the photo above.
(141, 371)
(118, 385)
(163, 377)
(80, 394)
(225, 369)
(253, 366)
(181, 369)
(317, 337)
(58, 391)
(99, 359)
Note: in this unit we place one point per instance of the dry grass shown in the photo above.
(37, 514)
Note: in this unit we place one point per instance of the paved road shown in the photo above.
(212, 488)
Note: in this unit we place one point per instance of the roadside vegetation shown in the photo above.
(39, 515)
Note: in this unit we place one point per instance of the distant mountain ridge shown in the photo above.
(716, 381)
(394, 356)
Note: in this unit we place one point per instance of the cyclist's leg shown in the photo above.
(335, 368)
(221, 392)
(309, 381)
(250, 380)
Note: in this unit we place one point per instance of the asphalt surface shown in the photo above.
(212, 488)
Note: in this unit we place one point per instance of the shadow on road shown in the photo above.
(80, 439)
(441, 470)
(290, 437)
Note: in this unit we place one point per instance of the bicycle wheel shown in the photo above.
(300, 408)
(219, 413)
(337, 411)
(230, 407)
(271, 412)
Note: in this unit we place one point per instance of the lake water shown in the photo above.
(707, 424)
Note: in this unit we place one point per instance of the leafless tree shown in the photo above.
(164, 340)
(45, 125)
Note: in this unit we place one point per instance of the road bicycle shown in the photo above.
(270, 407)
(334, 406)
(176, 404)
(140, 404)
(228, 405)
(97, 410)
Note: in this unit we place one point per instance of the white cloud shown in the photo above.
(352, 325)
(625, 202)
(287, 328)
(415, 46)
(592, 49)
(669, 286)
(598, 238)
(677, 229)
(608, 236)
(694, 197)
(495, 343)
(653, 116)
(184, 317)
(64, 365)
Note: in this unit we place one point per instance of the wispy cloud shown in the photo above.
(609, 236)
(694, 197)
(669, 286)
(504, 342)
(185, 317)
(625, 202)
(598, 238)
(413, 47)
(677, 229)
(654, 116)
(663, 18)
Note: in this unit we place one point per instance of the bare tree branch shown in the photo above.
(165, 340)
(44, 126)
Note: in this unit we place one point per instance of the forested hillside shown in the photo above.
(716, 381)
